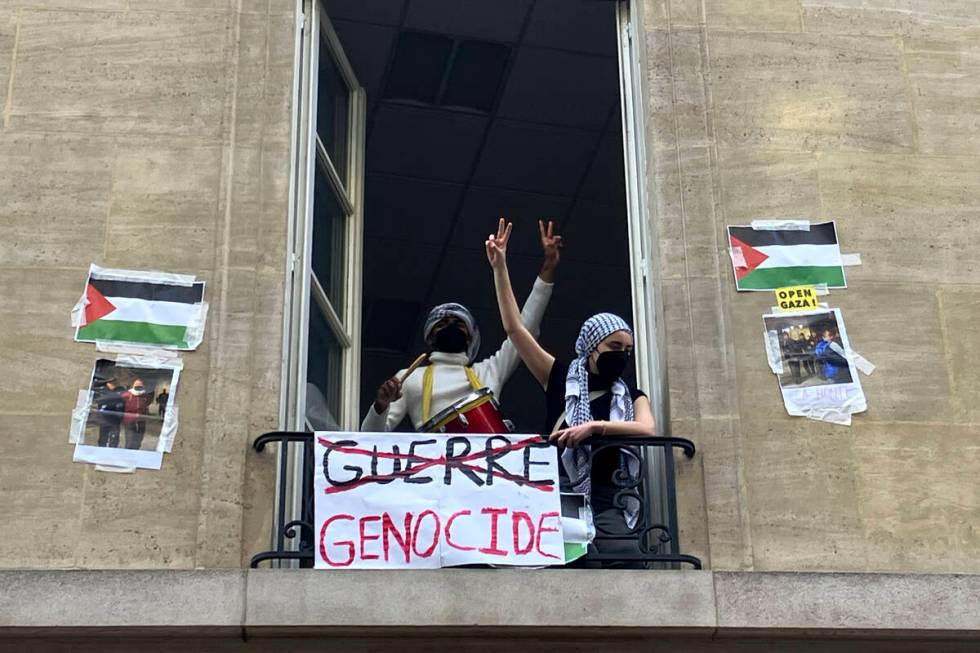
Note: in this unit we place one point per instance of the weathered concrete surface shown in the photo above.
(144, 135)
(106, 599)
(480, 597)
(557, 606)
(862, 111)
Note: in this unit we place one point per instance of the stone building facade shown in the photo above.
(161, 135)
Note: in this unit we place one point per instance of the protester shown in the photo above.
(452, 338)
(109, 405)
(137, 403)
(586, 397)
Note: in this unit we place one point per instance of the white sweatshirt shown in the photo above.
(450, 383)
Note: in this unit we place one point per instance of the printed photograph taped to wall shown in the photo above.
(127, 413)
(811, 350)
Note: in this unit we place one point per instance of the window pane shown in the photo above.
(333, 101)
(323, 365)
(328, 241)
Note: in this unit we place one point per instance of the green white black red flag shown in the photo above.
(766, 259)
(143, 308)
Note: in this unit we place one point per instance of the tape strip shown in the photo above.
(738, 259)
(772, 352)
(195, 328)
(78, 311)
(781, 225)
(168, 430)
(821, 289)
(850, 259)
(832, 415)
(113, 468)
(79, 416)
(153, 276)
(860, 362)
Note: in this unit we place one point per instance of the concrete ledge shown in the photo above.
(637, 604)
(481, 597)
(899, 603)
(121, 599)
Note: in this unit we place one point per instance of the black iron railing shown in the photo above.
(649, 542)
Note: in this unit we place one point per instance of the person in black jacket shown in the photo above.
(110, 405)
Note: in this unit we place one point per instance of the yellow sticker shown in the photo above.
(796, 298)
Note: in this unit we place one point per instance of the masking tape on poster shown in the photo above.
(136, 356)
(738, 258)
(195, 327)
(832, 415)
(860, 362)
(772, 352)
(168, 430)
(150, 276)
(78, 311)
(114, 469)
(849, 260)
(79, 416)
(781, 225)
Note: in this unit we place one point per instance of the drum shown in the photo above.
(477, 412)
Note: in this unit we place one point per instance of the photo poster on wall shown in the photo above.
(130, 418)
(812, 358)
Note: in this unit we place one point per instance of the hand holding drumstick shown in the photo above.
(391, 390)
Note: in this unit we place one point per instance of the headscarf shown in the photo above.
(577, 409)
(577, 462)
(459, 311)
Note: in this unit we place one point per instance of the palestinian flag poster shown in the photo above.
(766, 259)
(141, 308)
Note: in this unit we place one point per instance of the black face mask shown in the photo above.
(451, 339)
(611, 365)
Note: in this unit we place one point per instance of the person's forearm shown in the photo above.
(510, 314)
(601, 428)
(547, 272)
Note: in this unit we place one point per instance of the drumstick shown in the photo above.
(413, 367)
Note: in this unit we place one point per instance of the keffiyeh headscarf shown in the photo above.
(579, 411)
(458, 311)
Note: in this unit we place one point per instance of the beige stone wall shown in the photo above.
(863, 111)
(148, 134)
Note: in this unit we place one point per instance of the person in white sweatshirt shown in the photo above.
(453, 338)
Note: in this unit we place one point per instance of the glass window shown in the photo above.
(323, 373)
(332, 107)
(329, 223)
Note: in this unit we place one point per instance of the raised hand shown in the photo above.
(496, 244)
(551, 243)
(390, 390)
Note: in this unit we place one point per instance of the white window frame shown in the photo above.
(313, 28)
(648, 313)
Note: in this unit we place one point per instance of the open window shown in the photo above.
(421, 122)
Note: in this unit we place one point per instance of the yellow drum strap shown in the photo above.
(474, 379)
(427, 380)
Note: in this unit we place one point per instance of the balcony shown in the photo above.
(652, 543)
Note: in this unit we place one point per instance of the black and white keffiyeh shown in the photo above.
(579, 411)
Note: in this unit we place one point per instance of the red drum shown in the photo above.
(477, 412)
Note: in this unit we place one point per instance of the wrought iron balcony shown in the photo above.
(652, 542)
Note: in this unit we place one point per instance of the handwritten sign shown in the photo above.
(387, 501)
(796, 298)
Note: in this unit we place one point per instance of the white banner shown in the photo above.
(396, 500)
